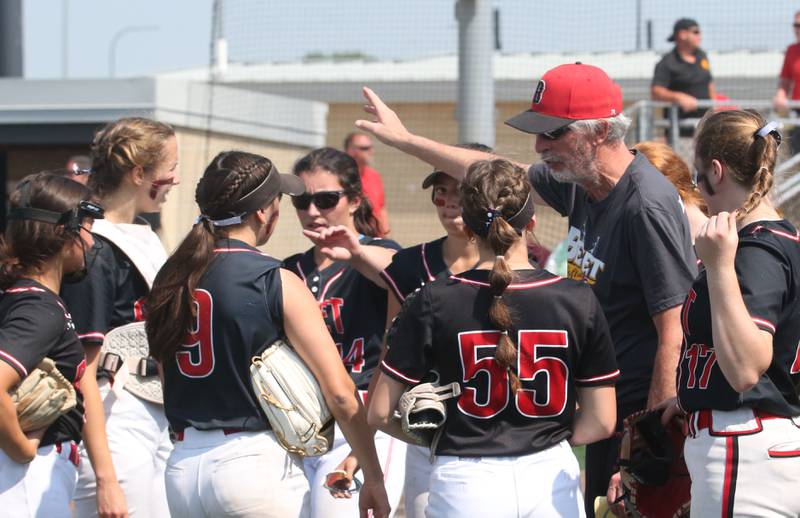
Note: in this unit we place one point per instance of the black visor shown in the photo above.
(71, 219)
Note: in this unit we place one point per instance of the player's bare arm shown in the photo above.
(110, 497)
(383, 402)
(781, 96)
(597, 415)
(687, 102)
(307, 332)
(743, 350)
(350, 463)
(13, 441)
(670, 336)
(339, 243)
(389, 129)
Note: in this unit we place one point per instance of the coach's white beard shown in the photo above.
(581, 168)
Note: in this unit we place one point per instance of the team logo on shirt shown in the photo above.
(704, 64)
(332, 314)
(582, 264)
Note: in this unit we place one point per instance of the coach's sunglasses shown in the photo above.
(556, 133)
(322, 200)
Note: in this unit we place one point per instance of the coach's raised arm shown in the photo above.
(628, 236)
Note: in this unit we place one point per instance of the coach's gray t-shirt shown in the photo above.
(633, 247)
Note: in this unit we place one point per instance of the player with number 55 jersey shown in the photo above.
(524, 345)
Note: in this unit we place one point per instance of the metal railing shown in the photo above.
(653, 119)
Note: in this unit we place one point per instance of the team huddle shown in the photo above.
(690, 316)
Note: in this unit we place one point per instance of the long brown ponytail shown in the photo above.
(170, 305)
(501, 188)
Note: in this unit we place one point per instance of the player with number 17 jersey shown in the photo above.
(767, 260)
(563, 342)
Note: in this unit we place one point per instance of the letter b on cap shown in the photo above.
(537, 95)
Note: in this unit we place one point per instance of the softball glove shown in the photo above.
(422, 412)
(292, 401)
(652, 468)
(43, 396)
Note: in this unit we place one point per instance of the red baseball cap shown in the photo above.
(568, 93)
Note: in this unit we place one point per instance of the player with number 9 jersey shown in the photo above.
(217, 303)
(524, 345)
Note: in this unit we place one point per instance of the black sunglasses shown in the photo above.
(556, 133)
(322, 200)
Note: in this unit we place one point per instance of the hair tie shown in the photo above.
(490, 215)
(770, 128)
(227, 222)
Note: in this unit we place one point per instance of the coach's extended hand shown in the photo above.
(387, 126)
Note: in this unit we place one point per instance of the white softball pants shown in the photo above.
(42, 488)
(139, 442)
(418, 476)
(245, 474)
(743, 465)
(391, 454)
(542, 485)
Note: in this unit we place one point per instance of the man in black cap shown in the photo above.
(684, 75)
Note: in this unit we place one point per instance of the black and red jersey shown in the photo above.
(768, 269)
(563, 343)
(111, 295)
(34, 325)
(239, 312)
(354, 308)
(413, 267)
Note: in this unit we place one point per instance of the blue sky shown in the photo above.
(282, 30)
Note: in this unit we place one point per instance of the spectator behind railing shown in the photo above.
(682, 77)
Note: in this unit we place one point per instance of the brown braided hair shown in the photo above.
(730, 137)
(502, 186)
(123, 145)
(27, 244)
(170, 305)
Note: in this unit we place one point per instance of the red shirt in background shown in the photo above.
(372, 186)
(791, 69)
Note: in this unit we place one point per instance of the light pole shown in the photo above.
(112, 48)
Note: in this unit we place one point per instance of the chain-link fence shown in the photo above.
(325, 51)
